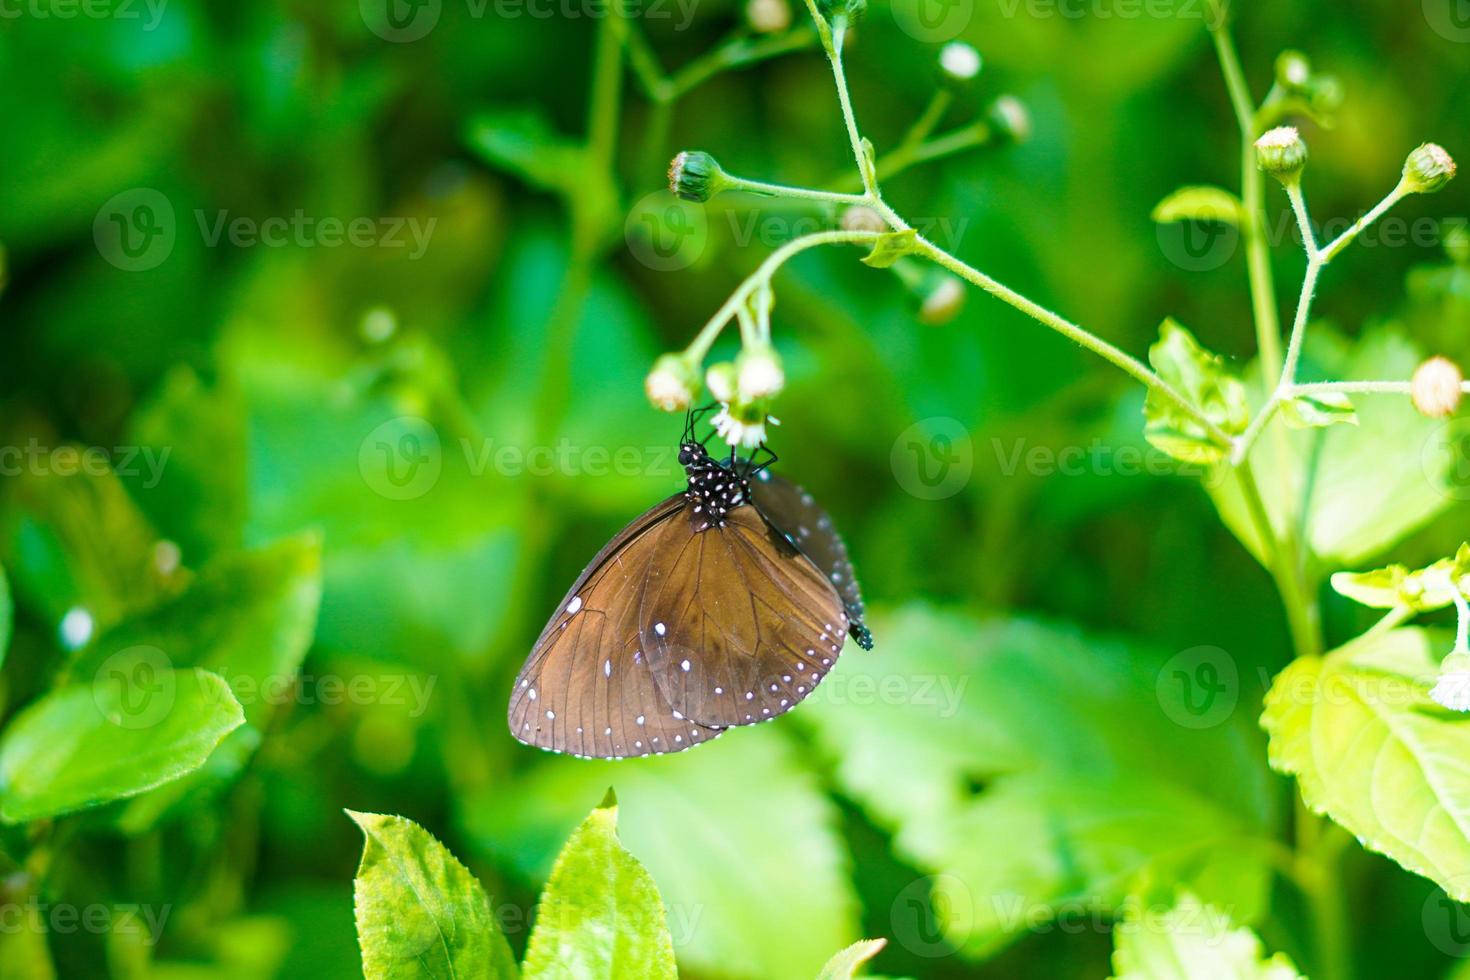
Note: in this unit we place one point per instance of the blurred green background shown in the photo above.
(457, 421)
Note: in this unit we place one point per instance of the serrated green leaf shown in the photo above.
(1372, 751)
(1200, 203)
(124, 732)
(1201, 378)
(420, 914)
(1424, 590)
(716, 873)
(1191, 941)
(1075, 803)
(891, 247)
(1319, 410)
(600, 915)
(844, 965)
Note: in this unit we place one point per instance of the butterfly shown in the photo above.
(722, 606)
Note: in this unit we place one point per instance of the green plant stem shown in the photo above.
(798, 193)
(939, 104)
(1346, 238)
(702, 342)
(1112, 354)
(898, 160)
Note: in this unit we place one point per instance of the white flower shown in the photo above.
(745, 428)
(1436, 388)
(672, 384)
(721, 380)
(959, 61)
(944, 302)
(1452, 690)
(761, 375)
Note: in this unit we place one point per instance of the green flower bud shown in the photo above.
(722, 380)
(760, 373)
(1282, 153)
(1428, 169)
(1009, 119)
(849, 9)
(860, 217)
(673, 383)
(943, 301)
(959, 63)
(1293, 71)
(696, 176)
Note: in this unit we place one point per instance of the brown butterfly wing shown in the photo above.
(587, 687)
(796, 514)
(742, 626)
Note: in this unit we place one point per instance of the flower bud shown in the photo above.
(849, 9)
(944, 300)
(1282, 153)
(860, 217)
(760, 373)
(1293, 70)
(722, 380)
(696, 176)
(768, 16)
(959, 62)
(673, 383)
(1452, 689)
(1428, 169)
(1436, 388)
(1009, 119)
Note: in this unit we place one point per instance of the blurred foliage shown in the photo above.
(281, 514)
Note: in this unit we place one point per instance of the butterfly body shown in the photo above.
(701, 615)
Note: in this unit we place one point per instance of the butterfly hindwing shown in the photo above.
(587, 688)
(740, 626)
(807, 526)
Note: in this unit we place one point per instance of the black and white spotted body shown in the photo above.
(714, 489)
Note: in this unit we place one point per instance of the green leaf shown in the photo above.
(1027, 767)
(1319, 410)
(79, 540)
(420, 913)
(126, 731)
(1424, 590)
(717, 859)
(1191, 941)
(1200, 203)
(600, 915)
(523, 142)
(1373, 752)
(24, 954)
(1201, 378)
(248, 617)
(844, 965)
(891, 247)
